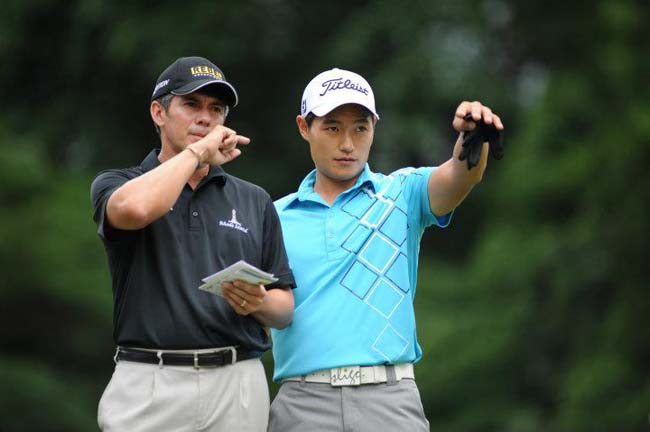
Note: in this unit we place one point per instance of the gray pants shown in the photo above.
(147, 398)
(305, 406)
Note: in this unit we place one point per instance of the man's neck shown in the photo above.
(198, 175)
(329, 189)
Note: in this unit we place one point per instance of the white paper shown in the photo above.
(240, 270)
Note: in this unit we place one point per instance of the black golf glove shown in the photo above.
(473, 142)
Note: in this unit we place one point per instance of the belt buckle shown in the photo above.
(345, 376)
(233, 358)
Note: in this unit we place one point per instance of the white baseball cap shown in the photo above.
(336, 87)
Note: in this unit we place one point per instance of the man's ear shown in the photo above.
(303, 127)
(157, 112)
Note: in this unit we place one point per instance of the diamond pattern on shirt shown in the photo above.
(378, 252)
(384, 298)
(395, 226)
(379, 210)
(357, 239)
(359, 279)
(389, 343)
(379, 274)
(397, 275)
(359, 203)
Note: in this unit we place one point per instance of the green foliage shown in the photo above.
(557, 271)
(533, 307)
(56, 298)
(57, 402)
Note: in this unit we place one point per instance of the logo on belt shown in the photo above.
(233, 223)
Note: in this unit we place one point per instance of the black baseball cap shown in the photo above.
(188, 74)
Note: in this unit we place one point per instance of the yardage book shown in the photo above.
(240, 270)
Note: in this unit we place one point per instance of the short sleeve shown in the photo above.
(101, 190)
(274, 255)
(416, 188)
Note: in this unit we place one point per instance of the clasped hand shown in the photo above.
(219, 146)
(243, 297)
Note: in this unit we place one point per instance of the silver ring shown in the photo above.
(242, 304)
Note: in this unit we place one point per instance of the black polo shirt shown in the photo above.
(156, 270)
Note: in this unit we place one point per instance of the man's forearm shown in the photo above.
(452, 181)
(277, 309)
(148, 197)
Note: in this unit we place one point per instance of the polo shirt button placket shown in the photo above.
(195, 222)
(328, 225)
(329, 232)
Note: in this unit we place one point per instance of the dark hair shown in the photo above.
(164, 101)
(309, 118)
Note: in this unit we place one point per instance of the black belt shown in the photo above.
(205, 359)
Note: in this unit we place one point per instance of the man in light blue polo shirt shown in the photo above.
(353, 239)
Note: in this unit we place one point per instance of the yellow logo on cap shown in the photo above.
(206, 70)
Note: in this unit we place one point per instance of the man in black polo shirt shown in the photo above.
(187, 358)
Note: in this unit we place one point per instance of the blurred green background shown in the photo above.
(533, 307)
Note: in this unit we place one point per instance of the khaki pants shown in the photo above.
(145, 397)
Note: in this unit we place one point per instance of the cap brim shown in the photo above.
(324, 109)
(230, 94)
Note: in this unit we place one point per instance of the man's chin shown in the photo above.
(346, 175)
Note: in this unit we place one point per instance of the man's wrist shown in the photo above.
(199, 159)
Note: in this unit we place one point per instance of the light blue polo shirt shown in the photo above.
(355, 264)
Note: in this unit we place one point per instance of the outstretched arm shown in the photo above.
(452, 181)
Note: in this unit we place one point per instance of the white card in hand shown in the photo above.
(240, 270)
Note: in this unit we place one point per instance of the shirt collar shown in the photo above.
(306, 189)
(216, 172)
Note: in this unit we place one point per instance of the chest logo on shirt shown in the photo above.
(233, 223)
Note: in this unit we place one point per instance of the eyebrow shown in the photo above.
(194, 98)
(189, 97)
(332, 120)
